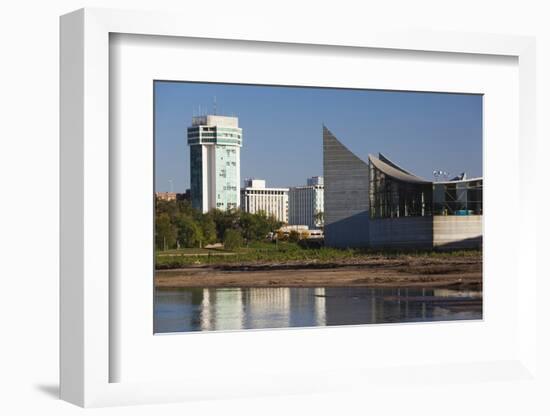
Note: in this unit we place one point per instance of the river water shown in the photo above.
(222, 309)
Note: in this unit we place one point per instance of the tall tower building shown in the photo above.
(215, 144)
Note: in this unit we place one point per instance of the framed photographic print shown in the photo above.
(359, 241)
(291, 214)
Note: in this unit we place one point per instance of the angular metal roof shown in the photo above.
(391, 169)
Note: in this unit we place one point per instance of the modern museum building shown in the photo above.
(378, 204)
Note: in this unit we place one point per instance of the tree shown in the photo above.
(208, 228)
(254, 226)
(232, 239)
(169, 208)
(273, 223)
(165, 232)
(246, 224)
(189, 232)
(319, 219)
(185, 207)
(224, 220)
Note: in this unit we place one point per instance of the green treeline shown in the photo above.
(177, 224)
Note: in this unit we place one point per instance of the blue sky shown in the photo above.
(282, 129)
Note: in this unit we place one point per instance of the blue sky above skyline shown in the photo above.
(282, 129)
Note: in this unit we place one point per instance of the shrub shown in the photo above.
(294, 236)
(232, 239)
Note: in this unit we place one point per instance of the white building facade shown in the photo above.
(306, 202)
(215, 143)
(255, 197)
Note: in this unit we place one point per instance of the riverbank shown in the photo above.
(464, 272)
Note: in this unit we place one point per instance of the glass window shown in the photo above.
(459, 198)
(391, 198)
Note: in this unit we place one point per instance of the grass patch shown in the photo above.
(267, 252)
(191, 251)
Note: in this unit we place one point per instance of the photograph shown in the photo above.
(297, 207)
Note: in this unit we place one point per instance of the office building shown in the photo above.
(255, 197)
(306, 203)
(215, 143)
(379, 204)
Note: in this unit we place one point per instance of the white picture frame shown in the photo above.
(87, 356)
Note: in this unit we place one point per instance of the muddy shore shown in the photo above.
(405, 271)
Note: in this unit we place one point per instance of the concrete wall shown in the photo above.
(346, 195)
(451, 232)
(404, 232)
(456, 231)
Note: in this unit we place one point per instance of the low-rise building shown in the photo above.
(165, 196)
(173, 196)
(305, 232)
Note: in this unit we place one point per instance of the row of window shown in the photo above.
(255, 191)
(391, 198)
(222, 135)
(213, 128)
(219, 141)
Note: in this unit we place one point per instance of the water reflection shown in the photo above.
(199, 309)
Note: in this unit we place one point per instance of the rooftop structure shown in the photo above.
(254, 183)
(315, 181)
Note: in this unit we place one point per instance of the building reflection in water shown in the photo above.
(355, 306)
(198, 309)
(267, 307)
(221, 309)
(236, 308)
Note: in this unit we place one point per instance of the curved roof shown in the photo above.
(391, 169)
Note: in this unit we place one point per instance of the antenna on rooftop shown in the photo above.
(440, 174)
(215, 105)
(200, 110)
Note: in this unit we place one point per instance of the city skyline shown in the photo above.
(282, 129)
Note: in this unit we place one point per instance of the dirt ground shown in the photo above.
(398, 272)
